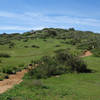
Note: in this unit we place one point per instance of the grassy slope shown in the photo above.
(46, 48)
(66, 87)
(23, 56)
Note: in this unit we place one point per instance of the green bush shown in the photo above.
(46, 67)
(3, 76)
(9, 70)
(5, 55)
(0, 61)
(68, 59)
(57, 46)
(62, 62)
(35, 46)
(96, 52)
(26, 46)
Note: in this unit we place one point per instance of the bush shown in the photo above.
(9, 70)
(3, 76)
(21, 66)
(26, 40)
(46, 67)
(57, 46)
(75, 63)
(0, 61)
(11, 45)
(26, 46)
(96, 52)
(35, 46)
(4, 55)
(62, 62)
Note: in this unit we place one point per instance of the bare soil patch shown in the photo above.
(13, 80)
(86, 53)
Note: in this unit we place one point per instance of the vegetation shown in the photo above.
(70, 78)
(96, 52)
(4, 55)
(62, 62)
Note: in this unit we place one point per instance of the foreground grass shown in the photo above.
(85, 86)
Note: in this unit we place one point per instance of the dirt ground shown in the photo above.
(13, 80)
(86, 53)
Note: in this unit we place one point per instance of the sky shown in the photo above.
(24, 15)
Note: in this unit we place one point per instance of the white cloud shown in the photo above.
(19, 28)
(39, 21)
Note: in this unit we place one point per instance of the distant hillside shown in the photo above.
(82, 39)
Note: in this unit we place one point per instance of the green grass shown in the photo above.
(2, 76)
(21, 55)
(84, 86)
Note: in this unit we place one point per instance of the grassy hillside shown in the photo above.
(27, 50)
(19, 50)
(83, 86)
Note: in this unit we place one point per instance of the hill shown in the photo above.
(69, 75)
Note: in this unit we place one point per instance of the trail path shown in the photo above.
(17, 78)
(87, 53)
(13, 80)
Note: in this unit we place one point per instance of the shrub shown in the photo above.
(5, 55)
(26, 40)
(46, 67)
(57, 46)
(3, 76)
(75, 63)
(11, 45)
(62, 62)
(9, 70)
(21, 66)
(45, 40)
(35, 46)
(26, 46)
(32, 62)
(96, 52)
(0, 61)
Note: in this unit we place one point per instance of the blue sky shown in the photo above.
(24, 15)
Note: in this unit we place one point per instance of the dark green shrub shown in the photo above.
(45, 40)
(0, 61)
(57, 46)
(35, 46)
(32, 62)
(3, 76)
(96, 52)
(46, 67)
(21, 66)
(26, 46)
(11, 45)
(5, 55)
(6, 76)
(26, 40)
(62, 62)
(75, 63)
(9, 70)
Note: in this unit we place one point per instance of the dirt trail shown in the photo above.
(17, 78)
(86, 53)
(13, 80)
